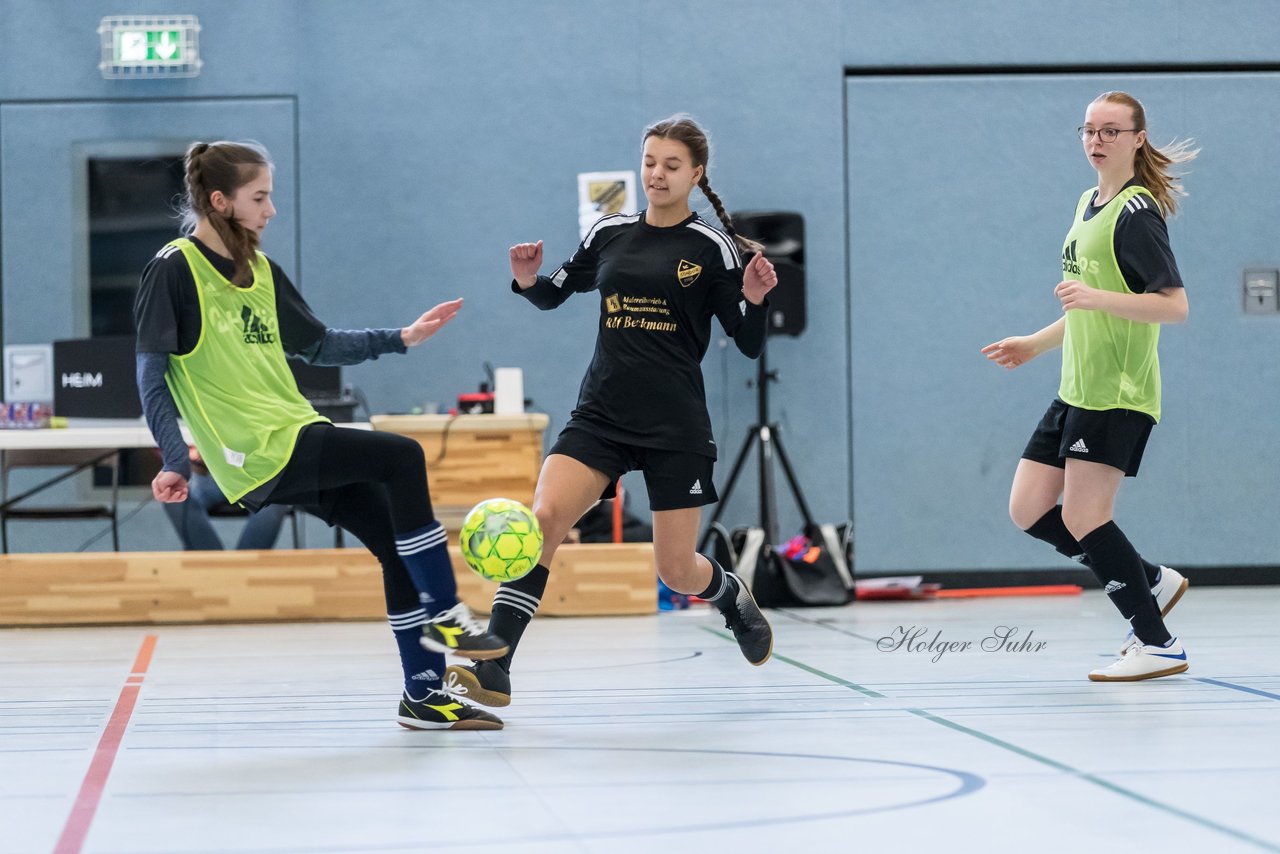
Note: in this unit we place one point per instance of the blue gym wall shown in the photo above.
(430, 136)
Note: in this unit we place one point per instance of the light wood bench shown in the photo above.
(308, 584)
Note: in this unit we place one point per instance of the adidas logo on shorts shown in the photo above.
(1079, 447)
(696, 489)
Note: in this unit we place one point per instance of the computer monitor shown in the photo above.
(322, 385)
(317, 382)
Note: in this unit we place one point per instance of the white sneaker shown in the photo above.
(1168, 591)
(1144, 661)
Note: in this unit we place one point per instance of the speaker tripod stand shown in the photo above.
(768, 439)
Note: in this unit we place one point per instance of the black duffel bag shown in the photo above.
(821, 575)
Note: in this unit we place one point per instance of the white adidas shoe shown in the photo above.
(1144, 661)
(1168, 591)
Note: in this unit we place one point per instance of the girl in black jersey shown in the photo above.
(215, 319)
(1120, 282)
(662, 275)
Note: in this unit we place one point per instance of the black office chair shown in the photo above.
(75, 460)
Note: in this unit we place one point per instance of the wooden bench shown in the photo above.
(308, 584)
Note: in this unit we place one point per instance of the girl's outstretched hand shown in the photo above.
(429, 323)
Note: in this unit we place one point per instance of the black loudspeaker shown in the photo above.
(96, 378)
(782, 233)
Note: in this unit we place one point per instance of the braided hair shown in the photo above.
(223, 167)
(682, 128)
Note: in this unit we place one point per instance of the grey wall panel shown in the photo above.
(433, 136)
(1040, 32)
(961, 189)
(45, 293)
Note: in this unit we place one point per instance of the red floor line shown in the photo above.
(76, 829)
(1041, 590)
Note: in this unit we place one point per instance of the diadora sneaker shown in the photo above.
(456, 631)
(438, 710)
(1144, 661)
(485, 682)
(744, 618)
(1168, 591)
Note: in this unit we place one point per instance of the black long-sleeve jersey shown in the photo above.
(659, 288)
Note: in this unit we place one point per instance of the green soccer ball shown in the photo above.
(501, 539)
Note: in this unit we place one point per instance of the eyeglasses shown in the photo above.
(1104, 134)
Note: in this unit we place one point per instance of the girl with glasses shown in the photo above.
(1120, 282)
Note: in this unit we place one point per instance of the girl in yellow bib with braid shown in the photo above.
(215, 320)
(1120, 282)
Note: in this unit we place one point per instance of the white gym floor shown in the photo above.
(650, 734)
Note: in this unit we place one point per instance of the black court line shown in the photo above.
(1035, 757)
(824, 625)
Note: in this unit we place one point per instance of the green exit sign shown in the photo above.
(150, 46)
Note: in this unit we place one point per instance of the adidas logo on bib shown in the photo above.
(1079, 447)
(696, 489)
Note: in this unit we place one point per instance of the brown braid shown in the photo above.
(744, 244)
(223, 167)
(682, 128)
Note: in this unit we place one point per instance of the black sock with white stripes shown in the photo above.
(722, 591)
(514, 605)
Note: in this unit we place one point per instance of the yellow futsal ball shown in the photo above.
(501, 539)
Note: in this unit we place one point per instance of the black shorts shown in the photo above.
(676, 480)
(1113, 437)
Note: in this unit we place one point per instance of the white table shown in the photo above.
(73, 449)
(129, 434)
(76, 438)
(86, 446)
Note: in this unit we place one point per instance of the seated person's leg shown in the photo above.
(191, 517)
(262, 529)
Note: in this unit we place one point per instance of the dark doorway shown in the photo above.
(133, 211)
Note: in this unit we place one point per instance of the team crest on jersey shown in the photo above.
(612, 304)
(687, 272)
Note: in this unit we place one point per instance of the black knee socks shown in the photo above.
(722, 591)
(1119, 568)
(1051, 529)
(514, 605)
